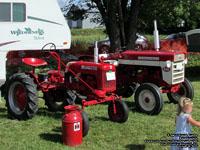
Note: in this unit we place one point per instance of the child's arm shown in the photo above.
(192, 121)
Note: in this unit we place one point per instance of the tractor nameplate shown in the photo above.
(89, 67)
(110, 76)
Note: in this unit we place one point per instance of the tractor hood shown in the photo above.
(153, 55)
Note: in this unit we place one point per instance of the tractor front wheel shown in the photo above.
(118, 111)
(186, 90)
(149, 99)
(21, 96)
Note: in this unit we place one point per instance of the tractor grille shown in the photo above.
(109, 86)
(178, 72)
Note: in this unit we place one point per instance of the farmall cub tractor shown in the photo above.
(148, 74)
(95, 81)
(30, 28)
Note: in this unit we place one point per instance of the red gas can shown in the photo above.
(72, 126)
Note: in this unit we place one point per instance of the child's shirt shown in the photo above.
(182, 126)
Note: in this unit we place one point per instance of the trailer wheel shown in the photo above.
(149, 99)
(186, 90)
(56, 100)
(21, 96)
(85, 123)
(121, 114)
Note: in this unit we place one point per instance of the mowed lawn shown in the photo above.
(43, 132)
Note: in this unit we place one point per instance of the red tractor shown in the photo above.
(148, 74)
(95, 81)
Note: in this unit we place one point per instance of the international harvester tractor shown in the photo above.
(148, 74)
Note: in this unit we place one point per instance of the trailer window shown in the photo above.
(5, 15)
(18, 12)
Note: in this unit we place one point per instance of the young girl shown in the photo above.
(183, 121)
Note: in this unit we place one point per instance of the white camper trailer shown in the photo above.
(29, 25)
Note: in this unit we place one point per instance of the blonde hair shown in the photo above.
(183, 103)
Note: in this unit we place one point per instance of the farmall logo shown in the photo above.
(165, 69)
(27, 31)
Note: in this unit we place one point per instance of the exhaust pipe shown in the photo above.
(96, 51)
(156, 36)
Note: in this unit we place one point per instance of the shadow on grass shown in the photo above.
(53, 137)
(131, 106)
(102, 118)
(135, 147)
(57, 129)
(46, 112)
(3, 109)
(4, 114)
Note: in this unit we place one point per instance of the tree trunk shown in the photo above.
(113, 26)
(132, 26)
(120, 28)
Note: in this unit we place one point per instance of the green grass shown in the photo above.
(193, 66)
(87, 36)
(150, 37)
(44, 130)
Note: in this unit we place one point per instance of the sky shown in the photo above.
(62, 2)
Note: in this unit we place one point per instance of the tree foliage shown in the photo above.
(172, 15)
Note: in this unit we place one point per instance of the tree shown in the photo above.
(171, 15)
(120, 18)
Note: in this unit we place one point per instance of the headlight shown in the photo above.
(186, 61)
(179, 57)
(168, 63)
(116, 63)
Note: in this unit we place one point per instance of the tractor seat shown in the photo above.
(35, 62)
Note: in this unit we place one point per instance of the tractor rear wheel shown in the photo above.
(21, 96)
(186, 90)
(121, 114)
(149, 99)
(56, 100)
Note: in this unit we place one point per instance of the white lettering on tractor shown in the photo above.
(148, 58)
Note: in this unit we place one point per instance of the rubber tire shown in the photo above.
(31, 106)
(50, 102)
(189, 92)
(85, 123)
(121, 116)
(125, 92)
(157, 95)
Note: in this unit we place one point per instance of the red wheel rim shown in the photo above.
(20, 97)
(118, 116)
(147, 100)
